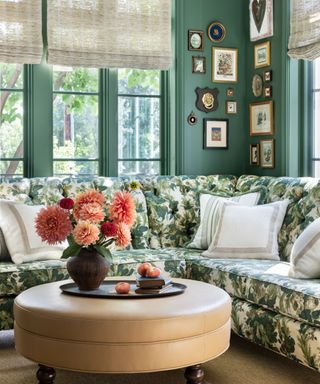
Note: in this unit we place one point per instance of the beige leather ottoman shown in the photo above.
(122, 336)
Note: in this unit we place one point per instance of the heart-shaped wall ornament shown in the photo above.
(258, 9)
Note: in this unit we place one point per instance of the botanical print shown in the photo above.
(261, 55)
(261, 119)
(224, 64)
(267, 153)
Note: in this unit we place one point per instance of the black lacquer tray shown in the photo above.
(107, 290)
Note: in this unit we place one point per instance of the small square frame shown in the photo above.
(230, 92)
(193, 40)
(254, 154)
(215, 133)
(267, 76)
(262, 56)
(231, 107)
(267, 153)
(199, 64)
(267, 91)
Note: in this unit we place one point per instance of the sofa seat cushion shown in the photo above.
(16, 278)
(262, 282)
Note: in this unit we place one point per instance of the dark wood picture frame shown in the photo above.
(194, 60)
(254, 158)
(191, 32)
(219, 129)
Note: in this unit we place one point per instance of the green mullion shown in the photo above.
(112, 123)
(75, 159)
(165, 166)
(139, 159)
(76, 93)
(28, 120)
(142, 96)
(11, 89)
(103, 87)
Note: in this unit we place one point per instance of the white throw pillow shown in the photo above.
(248, 232)
(209, 215)
(24, 245)
(305, 253)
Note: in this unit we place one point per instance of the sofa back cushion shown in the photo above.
(304, 207)
(173, 205)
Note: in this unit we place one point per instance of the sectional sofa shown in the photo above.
(269, 308)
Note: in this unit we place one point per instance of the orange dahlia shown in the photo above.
(122, 209)
(53, 224)
(85, 233)
(92, 212)
(123, 235)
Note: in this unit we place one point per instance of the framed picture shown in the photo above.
(231, 107)
(267, 76)
(215, 133)
(257, 85)
(267, 91)
(224, 65)
(261, 19)
(262, 55)
(267, 153)
(198, 64)
(230, 92)
(195, 40)
(216, 32)
(261, 118)
(254, 154)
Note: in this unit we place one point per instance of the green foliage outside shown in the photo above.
(76, 121)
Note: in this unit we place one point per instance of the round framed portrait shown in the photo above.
(216, 32)
(257, 85)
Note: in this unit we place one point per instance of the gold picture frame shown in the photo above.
(224, 65)
(261, 118)
(231, 107)
(267, 153)
(262, 55)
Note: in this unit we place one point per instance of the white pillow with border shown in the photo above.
(23, 243)
(248, 232)
(209, 215)
(305, 253)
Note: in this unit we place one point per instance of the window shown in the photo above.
(11, 120)
(316, 119)
(75, 121)
(139, 122)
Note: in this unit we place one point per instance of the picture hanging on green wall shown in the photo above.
(261, 19)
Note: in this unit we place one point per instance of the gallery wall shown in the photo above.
(191, 158)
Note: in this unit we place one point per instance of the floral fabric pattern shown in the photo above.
(15, 190)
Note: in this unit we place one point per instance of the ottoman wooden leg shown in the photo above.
(45, 375)
(194, 375)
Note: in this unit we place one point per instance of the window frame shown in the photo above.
(38, 121)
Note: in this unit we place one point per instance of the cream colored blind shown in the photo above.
(110, 33)
(304, 40)
(20, 31)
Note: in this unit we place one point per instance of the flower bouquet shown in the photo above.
(90, 226)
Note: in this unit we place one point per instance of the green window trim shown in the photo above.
(38, 122)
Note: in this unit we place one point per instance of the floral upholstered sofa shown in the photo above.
(269, 308)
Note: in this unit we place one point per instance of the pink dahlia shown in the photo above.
(53, 224)
(122, 208)
(108, 229)
(92, 212)
(66, 203)
(89, 197)
(85, 233)
(123, 235)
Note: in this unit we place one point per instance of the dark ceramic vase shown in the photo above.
(88, 269)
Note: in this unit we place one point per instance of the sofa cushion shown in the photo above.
(16, 278)
(262, 282)
(173, 206)
(304, 196)
(15, 190)
(46, 190)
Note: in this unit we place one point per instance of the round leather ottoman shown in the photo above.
(122, 336)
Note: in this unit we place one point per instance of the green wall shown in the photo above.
(279, 66)
(191, 157)
(287, 90)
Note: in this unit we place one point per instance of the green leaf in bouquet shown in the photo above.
(72, 250)
(105, 252)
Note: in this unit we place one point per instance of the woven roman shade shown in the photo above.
(20, 31)
(304, 40)
(110, 33)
